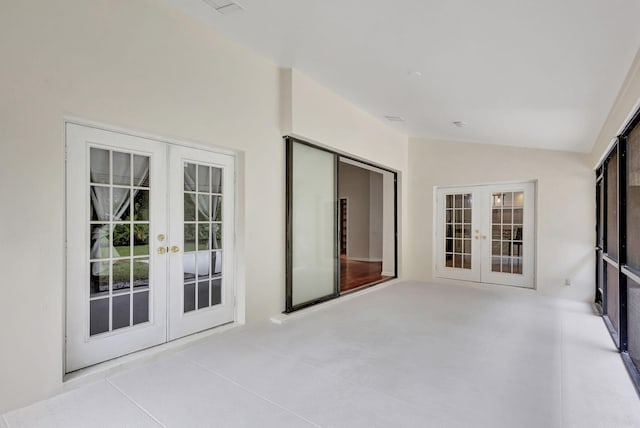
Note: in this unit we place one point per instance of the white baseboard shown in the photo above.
(363, 259)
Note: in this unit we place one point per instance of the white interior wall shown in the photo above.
(322, 117)
(625, 105)
(142, 67)
(565, 211)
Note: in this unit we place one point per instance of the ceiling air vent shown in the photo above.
(224, 7)
(394, 118)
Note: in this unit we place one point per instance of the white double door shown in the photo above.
(486, 233)
(150, 229)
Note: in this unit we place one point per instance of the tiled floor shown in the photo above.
(410, 354)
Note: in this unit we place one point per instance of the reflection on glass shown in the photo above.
(140, 307)
(216, 208)
(140, 239)
(518, 199)
(141, 205)
(121, 168)
(189, 237)
(189, 177)
(216, 291)
(121, 276)
(121, 204)
(100, 204)
(189, 266)
(140, 273)
(203, 207)
(141, 171)
(216, 262)
(203, 294)
(203, 179)
(216, 236)
(458, 226)
(100, 241)
(98, 316)
(203, 237)
(99, 278)
(189, 297)
(216, 180)
(121, 240)
(121, 311)
(506, 232)
(100, 166)
(189, 207)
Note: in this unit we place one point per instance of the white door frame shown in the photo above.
(482, 234)
(73, 278)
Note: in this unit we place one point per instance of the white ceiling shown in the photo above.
(531, 73)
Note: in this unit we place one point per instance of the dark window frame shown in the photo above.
(619, 336)
(289, 306)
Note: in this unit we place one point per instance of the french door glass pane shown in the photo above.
(507, 232)
(313, 222)
(612, 205)
(118, 240)
(202, 259)
(458, 231)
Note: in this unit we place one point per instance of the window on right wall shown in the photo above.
(618, 244)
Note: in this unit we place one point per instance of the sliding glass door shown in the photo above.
(312, 230)
(341, 224)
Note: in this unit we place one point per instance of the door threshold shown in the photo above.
(108, 368)
(286, 317)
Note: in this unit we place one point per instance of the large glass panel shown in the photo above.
(633, 321)
(121, 168)
(119, 239)
(613, 295)
(612, 205)
(313, 224)
(202, 241)
(100, 166)
(458, 225)
(506, 232)
(633, 199)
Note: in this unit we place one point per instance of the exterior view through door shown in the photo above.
(486, 233)
(149, 243)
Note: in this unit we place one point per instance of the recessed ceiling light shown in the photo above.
(415, 73)
(224, 7)
(459, 123)
(395, 118)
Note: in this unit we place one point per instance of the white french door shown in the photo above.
(486, 233)
(147, 225)
(201, 184)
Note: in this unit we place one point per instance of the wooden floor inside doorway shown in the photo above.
(355, 274)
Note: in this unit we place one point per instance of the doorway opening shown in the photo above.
(150, 249)
(362, 224)
(341, 224)
(486, 233)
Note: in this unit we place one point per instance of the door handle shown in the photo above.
(163, 250)
(175, 249)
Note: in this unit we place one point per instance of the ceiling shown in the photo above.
(528, 73)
